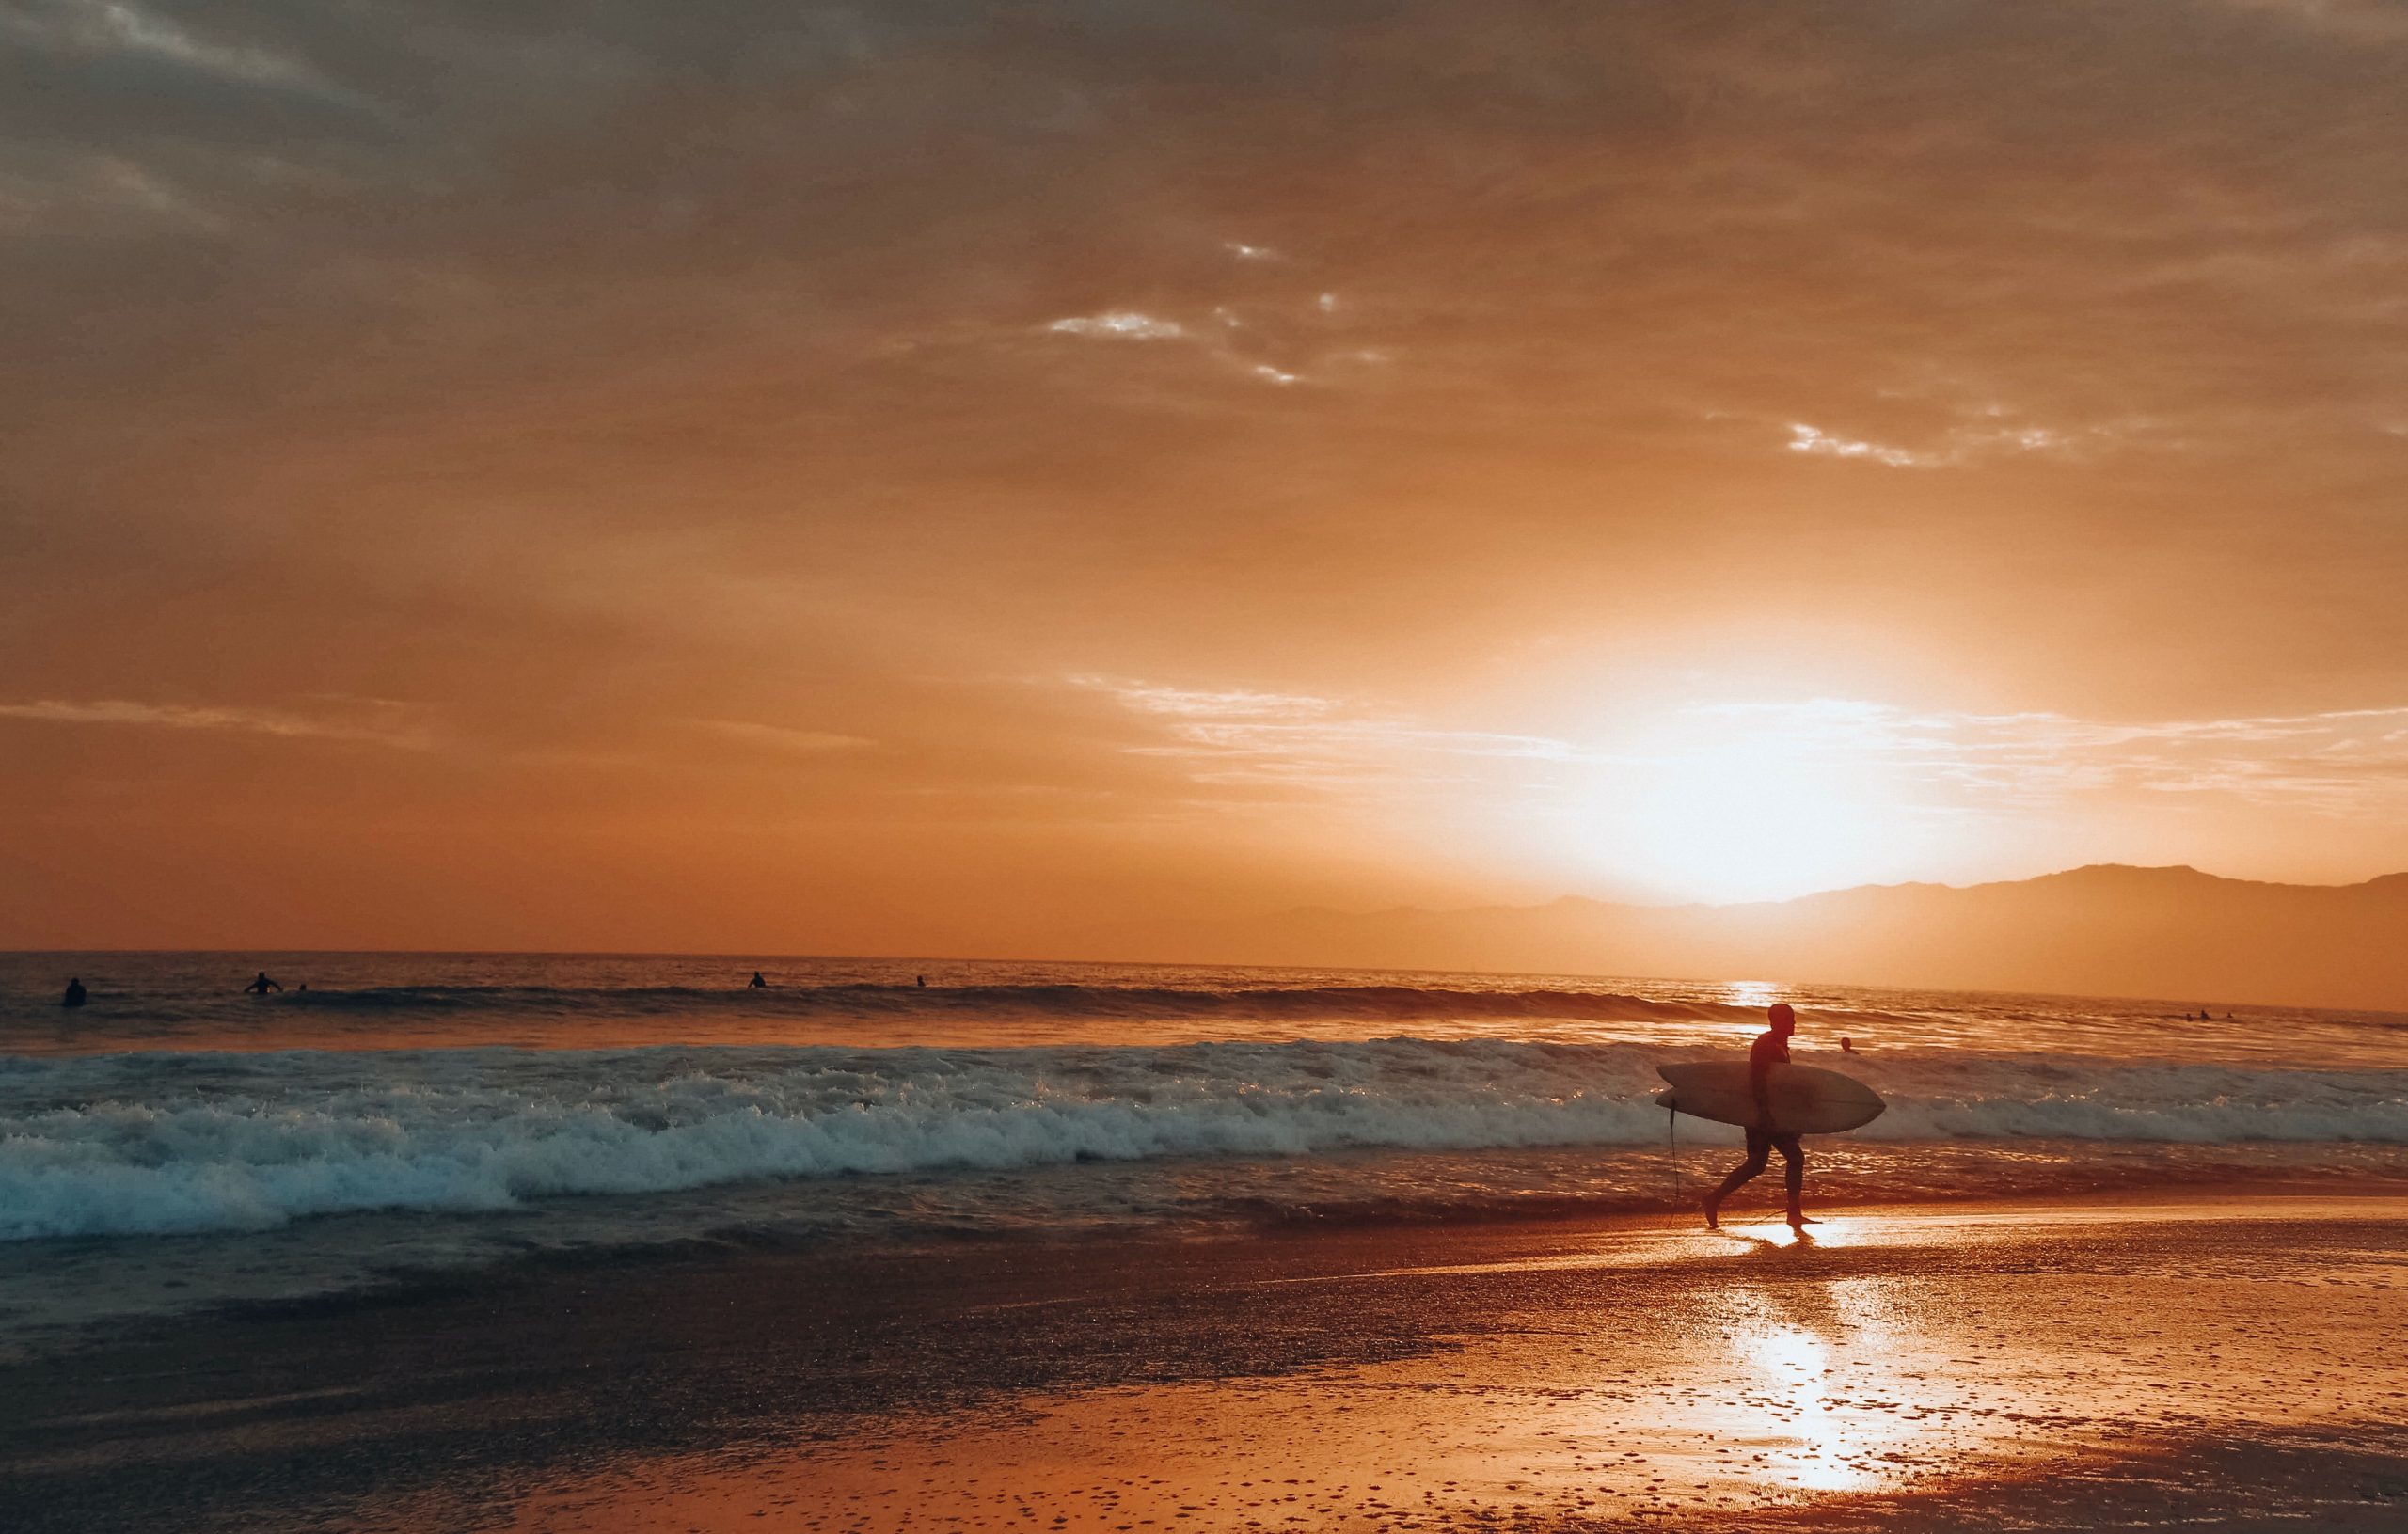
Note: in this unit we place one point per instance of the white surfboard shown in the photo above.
(1805, 1100)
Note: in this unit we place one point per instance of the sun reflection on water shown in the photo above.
(1756, 995)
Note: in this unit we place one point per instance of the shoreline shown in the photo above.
(491, 1393)
(75, 1292)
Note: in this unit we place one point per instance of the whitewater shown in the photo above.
(409, 1113)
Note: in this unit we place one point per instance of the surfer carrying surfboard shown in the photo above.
(1770, 1049)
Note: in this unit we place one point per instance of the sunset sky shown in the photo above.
(935, 478)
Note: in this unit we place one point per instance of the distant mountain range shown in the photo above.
(2175, 934)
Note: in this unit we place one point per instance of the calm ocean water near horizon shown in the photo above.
(177, 1142)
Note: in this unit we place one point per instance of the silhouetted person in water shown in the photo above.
(261, 986)
(74, 996)
(756, 983)
(1848, 1044)
(1770, 1049)
(921, 981)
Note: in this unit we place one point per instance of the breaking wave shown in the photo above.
(1399, 1003)
(157, 1143)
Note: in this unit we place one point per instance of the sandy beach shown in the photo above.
(2223, 1360)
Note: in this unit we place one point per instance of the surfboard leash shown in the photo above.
(1672, 1144)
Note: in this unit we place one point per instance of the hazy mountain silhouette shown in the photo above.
(2107, 929)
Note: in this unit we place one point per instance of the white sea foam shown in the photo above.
(172, 1143)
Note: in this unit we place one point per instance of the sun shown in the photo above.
(1736, 825)
(1726, 809)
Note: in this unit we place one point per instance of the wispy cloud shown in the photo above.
(1960, 444)
(1119, 325)
(1804, 439)
(2334, 761)
(2359, 21)
(2341, 762)
(783, 737)
(1274, 331)
(1229, 341)
(100, 28)
(1237, 736)
(1195, 703)
(167, 124)
(96, 191)
(380, 721)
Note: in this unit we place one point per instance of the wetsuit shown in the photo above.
(1771, 1049)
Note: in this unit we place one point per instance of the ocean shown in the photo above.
(176, 1144)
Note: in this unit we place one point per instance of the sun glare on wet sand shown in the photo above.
(1911, 1366)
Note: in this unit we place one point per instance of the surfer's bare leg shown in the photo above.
(1759, 1148)
(1793, 1155)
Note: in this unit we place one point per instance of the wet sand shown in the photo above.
(2221, 1361)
